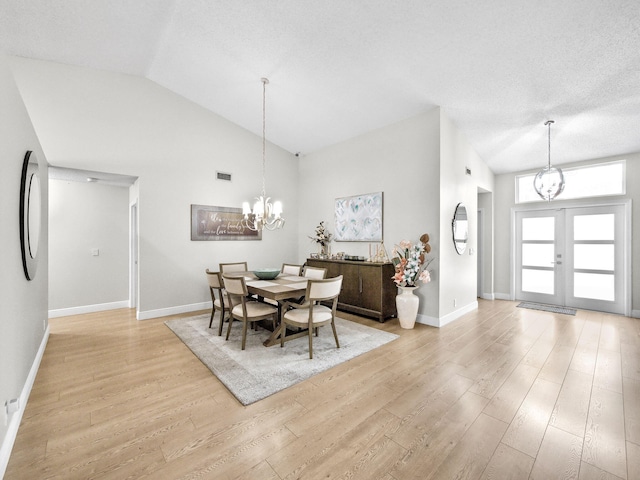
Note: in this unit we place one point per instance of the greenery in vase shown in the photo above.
(411, 262)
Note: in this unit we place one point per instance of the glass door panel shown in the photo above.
(537, 257)
(537, 281)
(593, 286)
(595, 257)
(538, 228)
(594, 227)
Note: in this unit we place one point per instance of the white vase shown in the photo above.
(407, 304)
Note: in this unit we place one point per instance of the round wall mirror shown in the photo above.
(30, 214)
(460, 227)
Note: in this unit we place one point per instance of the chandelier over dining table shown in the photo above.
(264, 213)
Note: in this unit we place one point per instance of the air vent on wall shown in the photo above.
(223, 176)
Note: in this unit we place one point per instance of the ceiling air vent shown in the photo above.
(223, 176)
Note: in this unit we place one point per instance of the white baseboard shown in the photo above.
(458, 313)
(427, 320)
(502, 296)
(442, 321)
(488, 296)
(506, 296)
(16, 418)
(165, 312)
(100, 307)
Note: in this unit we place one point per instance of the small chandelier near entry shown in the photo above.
(549, 182)
(264, 214)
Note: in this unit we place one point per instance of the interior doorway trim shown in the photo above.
(133, 255)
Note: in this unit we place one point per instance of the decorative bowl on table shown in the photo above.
(266, 273)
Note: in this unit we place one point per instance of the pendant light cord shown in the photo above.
(264, 141)
(549, 122)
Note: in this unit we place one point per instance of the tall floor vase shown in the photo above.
(407, 304)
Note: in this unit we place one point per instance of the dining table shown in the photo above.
(283, 287)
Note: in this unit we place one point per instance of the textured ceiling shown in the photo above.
(339, 68)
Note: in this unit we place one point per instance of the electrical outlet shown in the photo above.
(455, 302)
(13, 406)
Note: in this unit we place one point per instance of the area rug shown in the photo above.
(260, 371)
(547, 308)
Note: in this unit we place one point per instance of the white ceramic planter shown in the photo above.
(407, 304)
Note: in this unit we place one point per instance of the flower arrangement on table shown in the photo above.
(322, 236)
(411, 262)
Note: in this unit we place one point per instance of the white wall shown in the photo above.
(420, 165)
(458, 281)
(402, 160)
(505, 201)
(116, 123)
(23, 303)
(84, 217)
(97, 120)
(485, 203)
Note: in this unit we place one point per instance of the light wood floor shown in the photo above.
(501, 393)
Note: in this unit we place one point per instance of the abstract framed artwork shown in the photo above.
(219, 223)
(359, 218)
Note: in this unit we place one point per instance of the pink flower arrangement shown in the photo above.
(410, 262)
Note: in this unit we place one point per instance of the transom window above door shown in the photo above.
(603, 179)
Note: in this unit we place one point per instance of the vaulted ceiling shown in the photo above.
(339, 68)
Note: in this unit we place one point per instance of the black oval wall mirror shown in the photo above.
(30, 214)
(460, 227)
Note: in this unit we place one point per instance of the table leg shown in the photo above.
(274, 338)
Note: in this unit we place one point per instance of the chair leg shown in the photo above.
(310, 335)
(229, 327)
(335, 333)
(213, 306)
(213, 312)
(244, 333)
(283, 332)
(221, 322)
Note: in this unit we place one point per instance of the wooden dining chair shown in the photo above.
(290, 269)
(245, 309)
(219, 301)
(287, 269)
(310, 272)
(233, 267)
(315, 272)
(313, 314)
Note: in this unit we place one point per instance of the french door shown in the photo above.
(572, 257)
